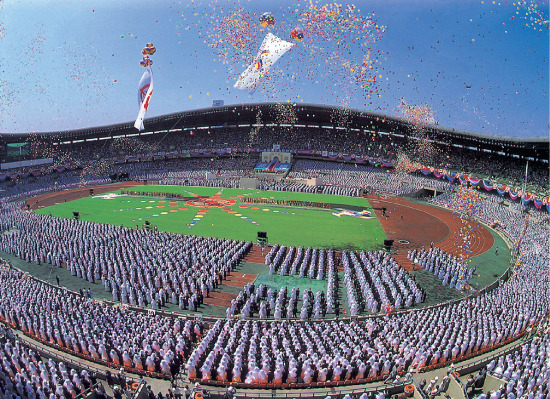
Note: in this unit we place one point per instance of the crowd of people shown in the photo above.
(97, 331)
(374, 281)
(31, 187)
(268, 303)
(339, 178)
(282, 352)
(347, 141)
(526, 371)
(285, 185)
(418, 338)
(310, 262)
(151, 269)
(450, 269)
(136, 267)
(24, 373)
(225, 171)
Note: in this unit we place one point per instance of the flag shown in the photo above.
(145, 90)
(271, 50)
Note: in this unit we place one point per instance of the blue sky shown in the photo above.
(75, 64)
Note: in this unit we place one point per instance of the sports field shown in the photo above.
(223, 213)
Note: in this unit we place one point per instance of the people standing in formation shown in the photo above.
(283, 202)
(281, 352)
(450, 269)
(95, 330)
(309, 263)
(137, 267)
(267, 303)
(26, 374)
(375, 282)
(526, 371)
(285, 185)
(351, 180)
(153, 194)
(257, 351)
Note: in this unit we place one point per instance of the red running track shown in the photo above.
(422, 224)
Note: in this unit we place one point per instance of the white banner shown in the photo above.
(271, 50)
(145, 91)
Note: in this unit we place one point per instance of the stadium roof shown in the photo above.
(308, 115)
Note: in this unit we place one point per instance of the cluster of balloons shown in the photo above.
(148, 50)
(467, 205)
(285, 115)
(338, 46)
(267, 19)
(420, 146)
(405, 164)
(297, 34)
(417, 115)
(533, 12)
(467, 202)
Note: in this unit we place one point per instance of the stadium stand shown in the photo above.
(273, 352)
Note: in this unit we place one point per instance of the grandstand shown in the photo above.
(187, 303)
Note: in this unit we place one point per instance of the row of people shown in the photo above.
(95, 330)
(311, 262)
(375, 282)
(136, 266)
(450, 269)
(262, 301)
(363, 176)
(25, 374)
(526, 371)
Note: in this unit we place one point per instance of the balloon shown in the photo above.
(146, 61)
(266, 19)
(148, 49)
(297, 34)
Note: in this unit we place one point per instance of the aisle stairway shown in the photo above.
(405, 263)
(255, 255)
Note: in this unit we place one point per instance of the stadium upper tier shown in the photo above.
(273, 117)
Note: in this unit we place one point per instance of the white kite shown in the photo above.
(271, 50)
(145, 91)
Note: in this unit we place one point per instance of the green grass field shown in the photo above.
(298, 226)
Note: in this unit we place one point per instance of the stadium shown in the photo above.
(315, 200)
(193, 250)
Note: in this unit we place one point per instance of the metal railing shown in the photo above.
(419, 390)
(85, 393)
(334, 392)
(461, 384)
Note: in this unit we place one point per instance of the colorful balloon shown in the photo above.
(267, 19)
(149, 49)
(146, 61)
(297, 34)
